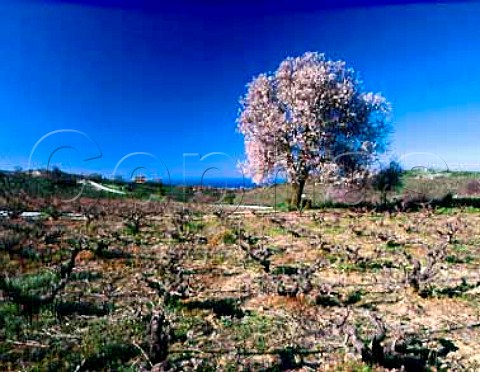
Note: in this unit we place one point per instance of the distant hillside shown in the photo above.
(417, 183)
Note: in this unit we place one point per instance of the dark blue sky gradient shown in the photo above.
(166, 79)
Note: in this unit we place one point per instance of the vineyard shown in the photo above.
(196, 186)
(134, 285)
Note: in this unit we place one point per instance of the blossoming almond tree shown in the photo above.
(311, 117)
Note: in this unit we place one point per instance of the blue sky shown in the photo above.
(160, 82)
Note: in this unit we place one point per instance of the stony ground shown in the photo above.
(251, 290)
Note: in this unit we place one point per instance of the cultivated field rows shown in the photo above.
(188, 289)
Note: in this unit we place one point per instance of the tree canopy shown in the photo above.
(311, 117)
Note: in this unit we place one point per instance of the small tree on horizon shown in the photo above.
(311, 117)
(388, 179)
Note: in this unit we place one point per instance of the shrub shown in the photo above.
(388, 179)
(472, 188)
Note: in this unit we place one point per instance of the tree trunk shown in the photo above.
(297, 192)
